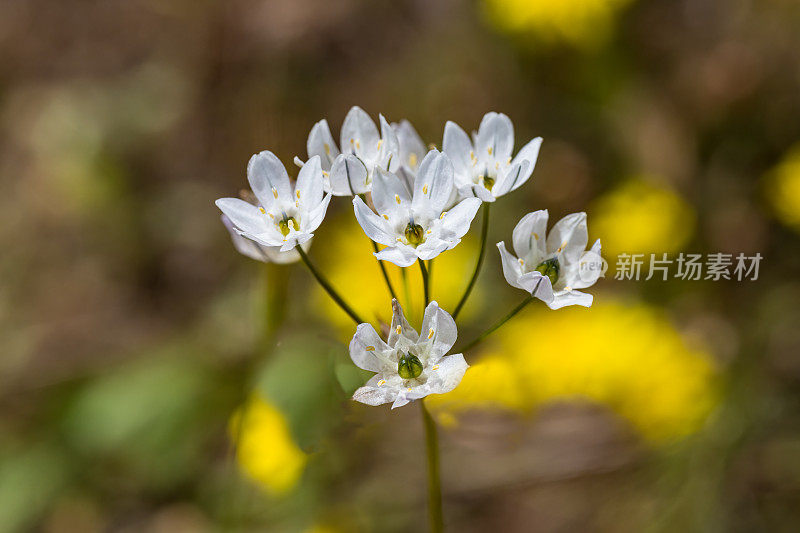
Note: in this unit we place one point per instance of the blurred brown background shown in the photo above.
(130, 330)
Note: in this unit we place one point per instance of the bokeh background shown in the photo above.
(136, 345)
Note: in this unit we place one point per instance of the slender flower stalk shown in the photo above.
(434, 477)
(425, 280)
(479, 264)
(502, 321)
(383, 271)
(328, 288)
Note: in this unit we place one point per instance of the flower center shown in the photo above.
(488, 182)
(286, 225)
(409, 366)
(549, 268)
(414, 234)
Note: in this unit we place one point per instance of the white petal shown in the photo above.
(389, 154)
(529, 234)
(359, 135)
(569, 237)
(309, 188)
(374, 226)
(316, 215)
(448, 374)
(412, 148)
(348, 176)
(457, 146)
(510, 179)
(244, 215)
(433, 184)
(365, 346)
(565, 298)
(268, 178)
(320, 142)
(433, 246)
(529, 153)
(438, 329)
(512, 270)
(457, 221)
(373, 394)
(400, 326)
(400, 256)
(389, 194)
(496, 133)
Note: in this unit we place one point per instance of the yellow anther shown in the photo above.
(358, 145)
(497, 166)
(432, 146)
(370, 348)
(399, 239)
(263, 212)
(435, 367)
(275, 192)
(472, 154)
(429, 231)
(296, 203)
(298, 194)
(381, 383)
(536, 236)
(430, 333)
(327, 148)
(397, 198)
(508, 161)
(271, 216)
(568, 289)
(442, 215)
(380, 142)
(409, 389)
(326, 173)
(425, 189)
(398, 329)
(521, 262)
(352, 141)
(412, 160)
(386, 217)
(490, 150)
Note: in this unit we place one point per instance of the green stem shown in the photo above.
(425, 278)
(276, 288)
(496, 325)
(430, 275)
(434, 478)
(481, 255)
(383, 271)
(327, 286)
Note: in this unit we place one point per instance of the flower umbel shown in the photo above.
(416, 226)
(363, 149)
(287, 216)
(484, 166)
(410, 365)
(555, 262)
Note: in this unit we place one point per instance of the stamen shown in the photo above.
(398, 329)
(535, 235)
(386, 217)
(298, 194)
(275, 192)
(358, 145)
(381, 383)
(326, 173)
(442, 215)
(380, 142)
(490, 150)
(430, 333)
(370, 348)
(412, 160)
(521, 262)
(435, 367)
(327, 148)
(263, 212)
(425, 189)
(397, 198)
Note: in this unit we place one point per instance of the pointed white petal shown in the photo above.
(457, 146)
(565, 298)
(438, 329)
(529, 234)
(389, 194)
(412, 148)
(569, 237)
(365, 347)
(400, 326)
(509, 180)
(401, 256)
(268, 178)
(457, 221)
(448, 373)
(373, 394)
(308, 189)
(433, 185)
(348, 176)
(244, 215)
(495, 137)
(374, 226)
(529, 153)
(320, 142)
(316, 215)
(359, 135)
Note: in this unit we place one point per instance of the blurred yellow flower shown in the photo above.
(626, 357)
(783, 188)
(640, 217)
(581, 23)
(266, 452)
(348, 262)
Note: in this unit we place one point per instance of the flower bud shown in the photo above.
(287, 224)
(549, 268)
(409, 366)
(415, 234)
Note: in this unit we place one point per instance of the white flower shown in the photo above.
(557, 263)
(484, 167)
(287, 216)
(259, 252)
(410, 365)
(416, 226)
(350, 171)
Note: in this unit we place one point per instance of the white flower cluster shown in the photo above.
(415, 203)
